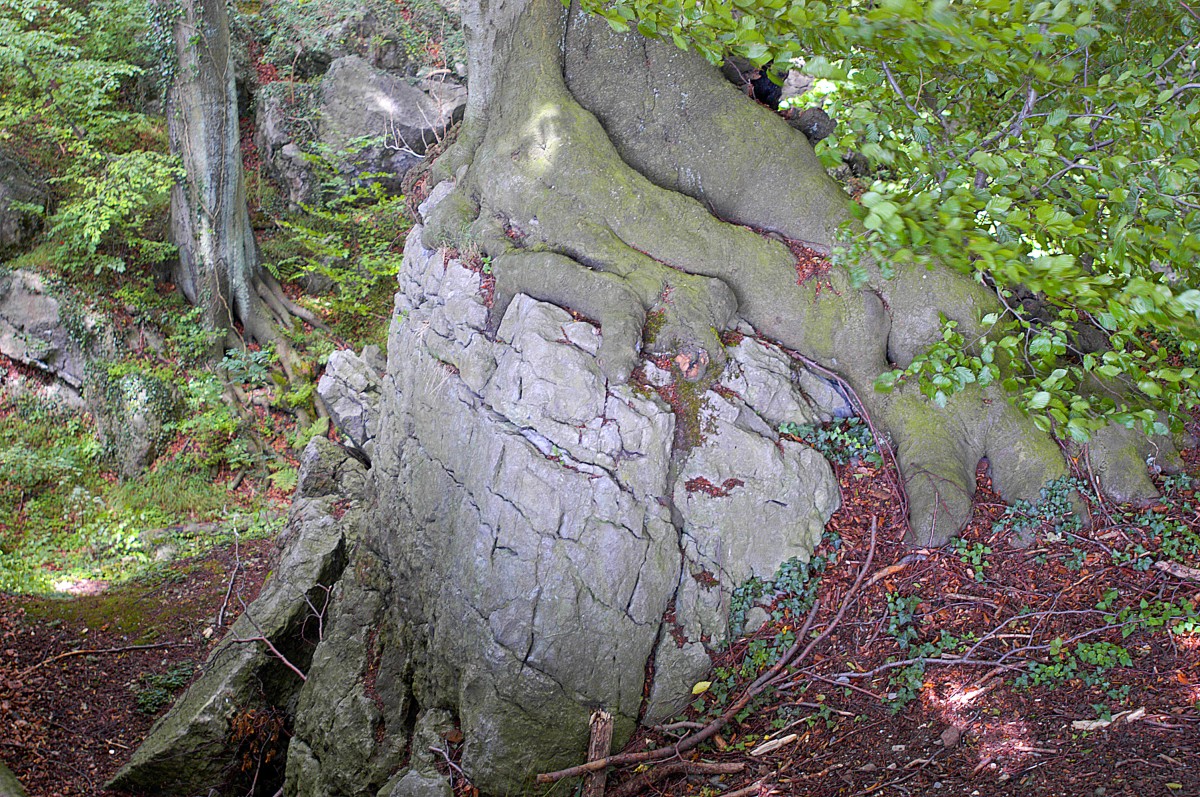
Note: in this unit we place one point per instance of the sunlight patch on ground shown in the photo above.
(80, 586)
(1001, 743)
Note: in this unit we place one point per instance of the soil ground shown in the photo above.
(974, 730)
(72, 670)
(68, 720)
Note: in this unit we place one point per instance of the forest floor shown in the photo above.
(83, 678)
(1079, 673)
(1068, 667)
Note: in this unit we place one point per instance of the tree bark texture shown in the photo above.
(218, 268)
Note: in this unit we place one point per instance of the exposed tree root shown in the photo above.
(619, 215)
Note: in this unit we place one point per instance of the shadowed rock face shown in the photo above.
(528, 526)
(44, 329)
(18, 225)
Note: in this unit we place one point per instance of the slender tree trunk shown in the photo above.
(218, 260)
(218, 268)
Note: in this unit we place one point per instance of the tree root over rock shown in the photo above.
(584, 208)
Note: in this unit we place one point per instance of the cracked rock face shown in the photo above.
(534, 525)
(529, 544)
(350, 390)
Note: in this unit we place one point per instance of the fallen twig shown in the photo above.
(274, 652)
(97, 652)
(766, 679)
(685, 725)
(637, 784)
(237, 567)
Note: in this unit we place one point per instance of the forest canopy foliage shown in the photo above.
(70, 75)
(1047, 149)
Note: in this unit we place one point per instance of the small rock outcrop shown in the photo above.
(134, 412)
(814, 123)
(535, 540)
(188, 750)
(370, 29)
(350, 389)
(276, 137)
(42, 329)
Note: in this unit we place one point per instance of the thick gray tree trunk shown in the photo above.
(619, 176)
(218, 260)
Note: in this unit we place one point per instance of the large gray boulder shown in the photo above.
(536, 524)
(374, 125)
(18, 188)
(530, 529)
(380, 123)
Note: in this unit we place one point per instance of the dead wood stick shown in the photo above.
(884, 572)
(684, 725)
(1179, 571)
(636, 785)
(237, 566)
(274, 652)
(891, 570)
(97, 652)
(599, 746)
(763, 681)
(753, 790)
